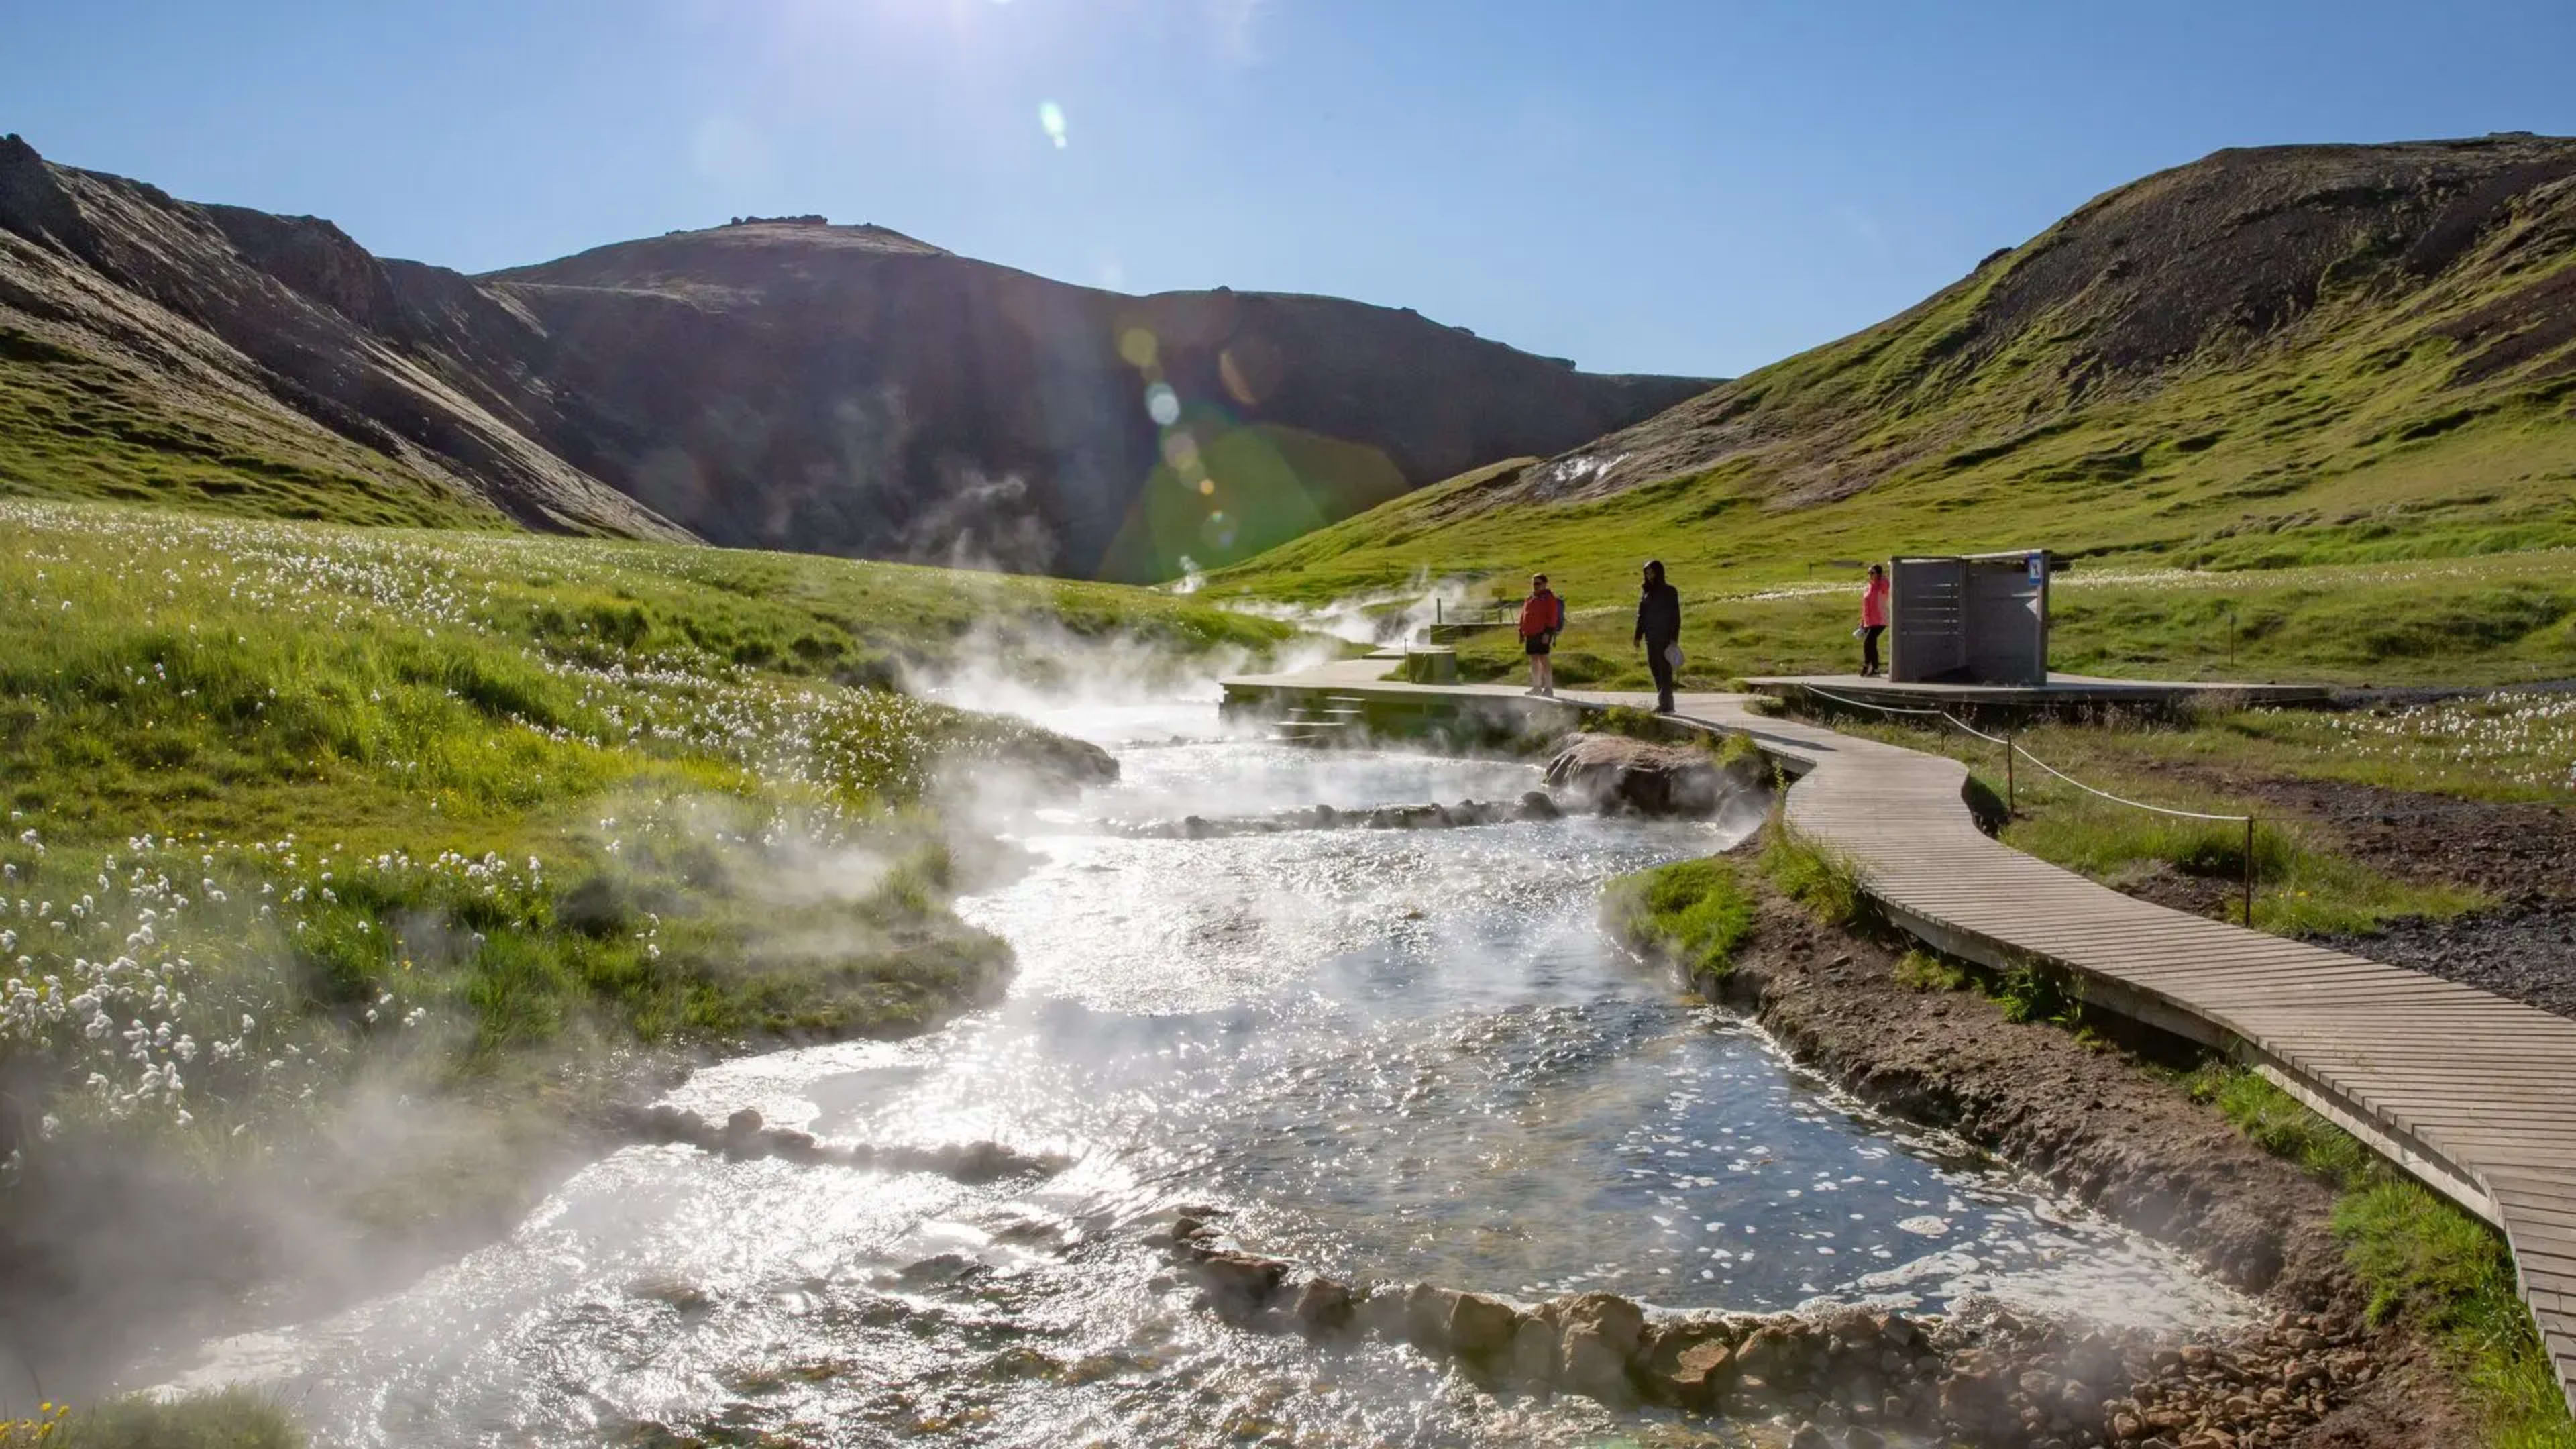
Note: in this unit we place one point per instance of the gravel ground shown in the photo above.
(2525, 952)
(2524, 947)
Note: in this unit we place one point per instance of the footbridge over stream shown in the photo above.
(2471, 1093)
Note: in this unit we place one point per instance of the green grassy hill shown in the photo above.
(2292, 369)
(590, 714)
(76, 425)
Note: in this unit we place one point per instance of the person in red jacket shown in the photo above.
(1542, 618)
(1873, 618)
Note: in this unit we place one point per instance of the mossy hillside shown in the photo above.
(2378, 423)
(2500, 484)
(74, 427)
(2108, 390)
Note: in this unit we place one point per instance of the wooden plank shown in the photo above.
(2533, 1113)
(2528, 1202)
(2437, 1109)
(2549, 1243)
(2526, 1208)
(2527, 1122)
(2396, 1065)
(2352, 999)
(2358, 1031)
(2495, 1145)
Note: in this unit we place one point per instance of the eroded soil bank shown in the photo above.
(2111, 1129)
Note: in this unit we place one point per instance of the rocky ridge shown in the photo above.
(773, 384)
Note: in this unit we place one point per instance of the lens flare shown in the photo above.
(1138, 346)
(1162, 404)
(1051, 121)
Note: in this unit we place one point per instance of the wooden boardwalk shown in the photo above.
(2062, 691)
(2473, 1094)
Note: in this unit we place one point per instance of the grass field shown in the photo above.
(2491, 620)
(288, 805)
(2304, 885)
(2507, 746)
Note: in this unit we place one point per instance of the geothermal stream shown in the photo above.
(1378, 1054)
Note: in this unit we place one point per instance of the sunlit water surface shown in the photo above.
(1378, 1053)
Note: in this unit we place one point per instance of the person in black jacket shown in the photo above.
(1659, 628)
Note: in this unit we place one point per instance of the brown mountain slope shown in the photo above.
(780, 385)
(849, 389)
(150, 348)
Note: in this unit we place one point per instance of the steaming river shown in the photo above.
(1379, 1053)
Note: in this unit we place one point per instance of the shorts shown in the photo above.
(1536, 646)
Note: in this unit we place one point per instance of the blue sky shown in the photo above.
(1672, 187)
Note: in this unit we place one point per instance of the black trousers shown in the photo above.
(1659, 659)
(1869, 647)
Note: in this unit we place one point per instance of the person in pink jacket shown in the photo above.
(1873, 618)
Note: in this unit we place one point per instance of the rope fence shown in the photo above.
(2013, 749)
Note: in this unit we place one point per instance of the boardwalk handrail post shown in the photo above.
(2012, 805)
(2249, 872)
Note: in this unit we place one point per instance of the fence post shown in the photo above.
(1435, 608)
(2012, 798)
(2249, 872)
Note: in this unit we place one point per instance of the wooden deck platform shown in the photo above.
(2473, 1094)
(2061, 692)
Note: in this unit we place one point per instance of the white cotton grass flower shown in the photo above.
(112, 957)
